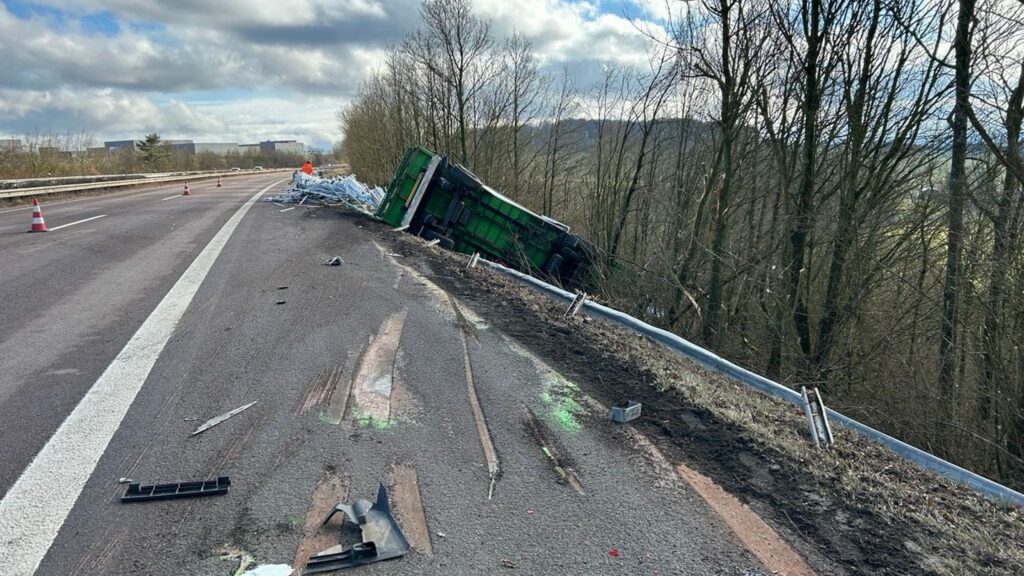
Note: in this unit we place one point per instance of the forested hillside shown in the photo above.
(825, 191)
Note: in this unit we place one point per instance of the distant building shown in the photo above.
(221, 148)
(10, 143)
(118, 145)
(249, 148)
(288, 146)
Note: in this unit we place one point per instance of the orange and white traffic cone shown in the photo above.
(188, 191)
(38, 225)
(218, 181)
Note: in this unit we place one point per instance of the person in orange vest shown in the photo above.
(308, 167)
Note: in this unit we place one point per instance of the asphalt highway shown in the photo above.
(143, 314)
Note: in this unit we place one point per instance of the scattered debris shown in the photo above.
(214, 421)
(245, 560)
(614, 553)
(473, 260)
(402, 228)
(270, 570)
(139, 493)
(123, 480)
(287, 209)
(395, 254)
(282, 287)
(190, 419)
(565, 474)
(817, 417)
(336, 261)
(346, 190)
(433, 242)
(442, 535)
(508, 563)
(629, 412)
(382, 536)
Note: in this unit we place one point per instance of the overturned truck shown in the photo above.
(443, 201)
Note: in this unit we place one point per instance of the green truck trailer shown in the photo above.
(443, 201)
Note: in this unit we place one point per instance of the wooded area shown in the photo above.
(827, 192)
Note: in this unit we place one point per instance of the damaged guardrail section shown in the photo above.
(714, 362)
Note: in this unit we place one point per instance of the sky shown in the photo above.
(251, 70)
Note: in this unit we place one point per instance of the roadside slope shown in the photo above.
(858, 503)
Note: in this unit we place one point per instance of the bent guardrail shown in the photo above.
(714, 362)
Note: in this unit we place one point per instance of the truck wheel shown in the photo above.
(463, 178)
(444, 241)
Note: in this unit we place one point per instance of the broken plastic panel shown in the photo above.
(382, 536)
(142, 493)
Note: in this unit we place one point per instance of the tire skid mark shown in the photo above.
(755, 534)
(96, 557)
(484, 433)
(408, 505)
(339, 394)
(373, 383)
(315, 537)
(565, 473)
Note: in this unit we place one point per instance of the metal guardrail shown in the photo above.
(43, 190)
(714, 362)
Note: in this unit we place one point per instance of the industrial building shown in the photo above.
(190, 147)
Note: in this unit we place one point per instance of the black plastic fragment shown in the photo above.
(142, 493)
(382, 536)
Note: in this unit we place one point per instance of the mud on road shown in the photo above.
(856, 508)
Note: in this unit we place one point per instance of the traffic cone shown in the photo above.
(218, 181)
(38, 225)
(188, 191)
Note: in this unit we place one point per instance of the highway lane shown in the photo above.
(71, 298)
(361, 373)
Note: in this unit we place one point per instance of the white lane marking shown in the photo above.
(170, 197)
(36, 506)
(78, 222)
(287, 209)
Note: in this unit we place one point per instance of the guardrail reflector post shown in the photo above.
(817, 417)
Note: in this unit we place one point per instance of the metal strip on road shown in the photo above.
(78, 222)
(34, 509)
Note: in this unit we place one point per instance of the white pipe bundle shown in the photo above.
(339, 189)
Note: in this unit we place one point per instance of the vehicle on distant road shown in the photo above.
(257, 168)
(236, 169)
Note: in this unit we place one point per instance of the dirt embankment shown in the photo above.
(856, 507)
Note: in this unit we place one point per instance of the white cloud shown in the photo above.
(266, 64)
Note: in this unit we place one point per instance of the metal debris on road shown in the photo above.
(508, 563)
(214, 421)
(336, 261)
(382, 536)
(627, 413)
(125, 480)
(442, 535)
(346, 190)
(139, 493)
(433, 242)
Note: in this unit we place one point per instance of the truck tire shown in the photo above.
(444, 241)
(462, 177)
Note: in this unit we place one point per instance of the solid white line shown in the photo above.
(170, 197)
(36, 506)
(78, 222)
